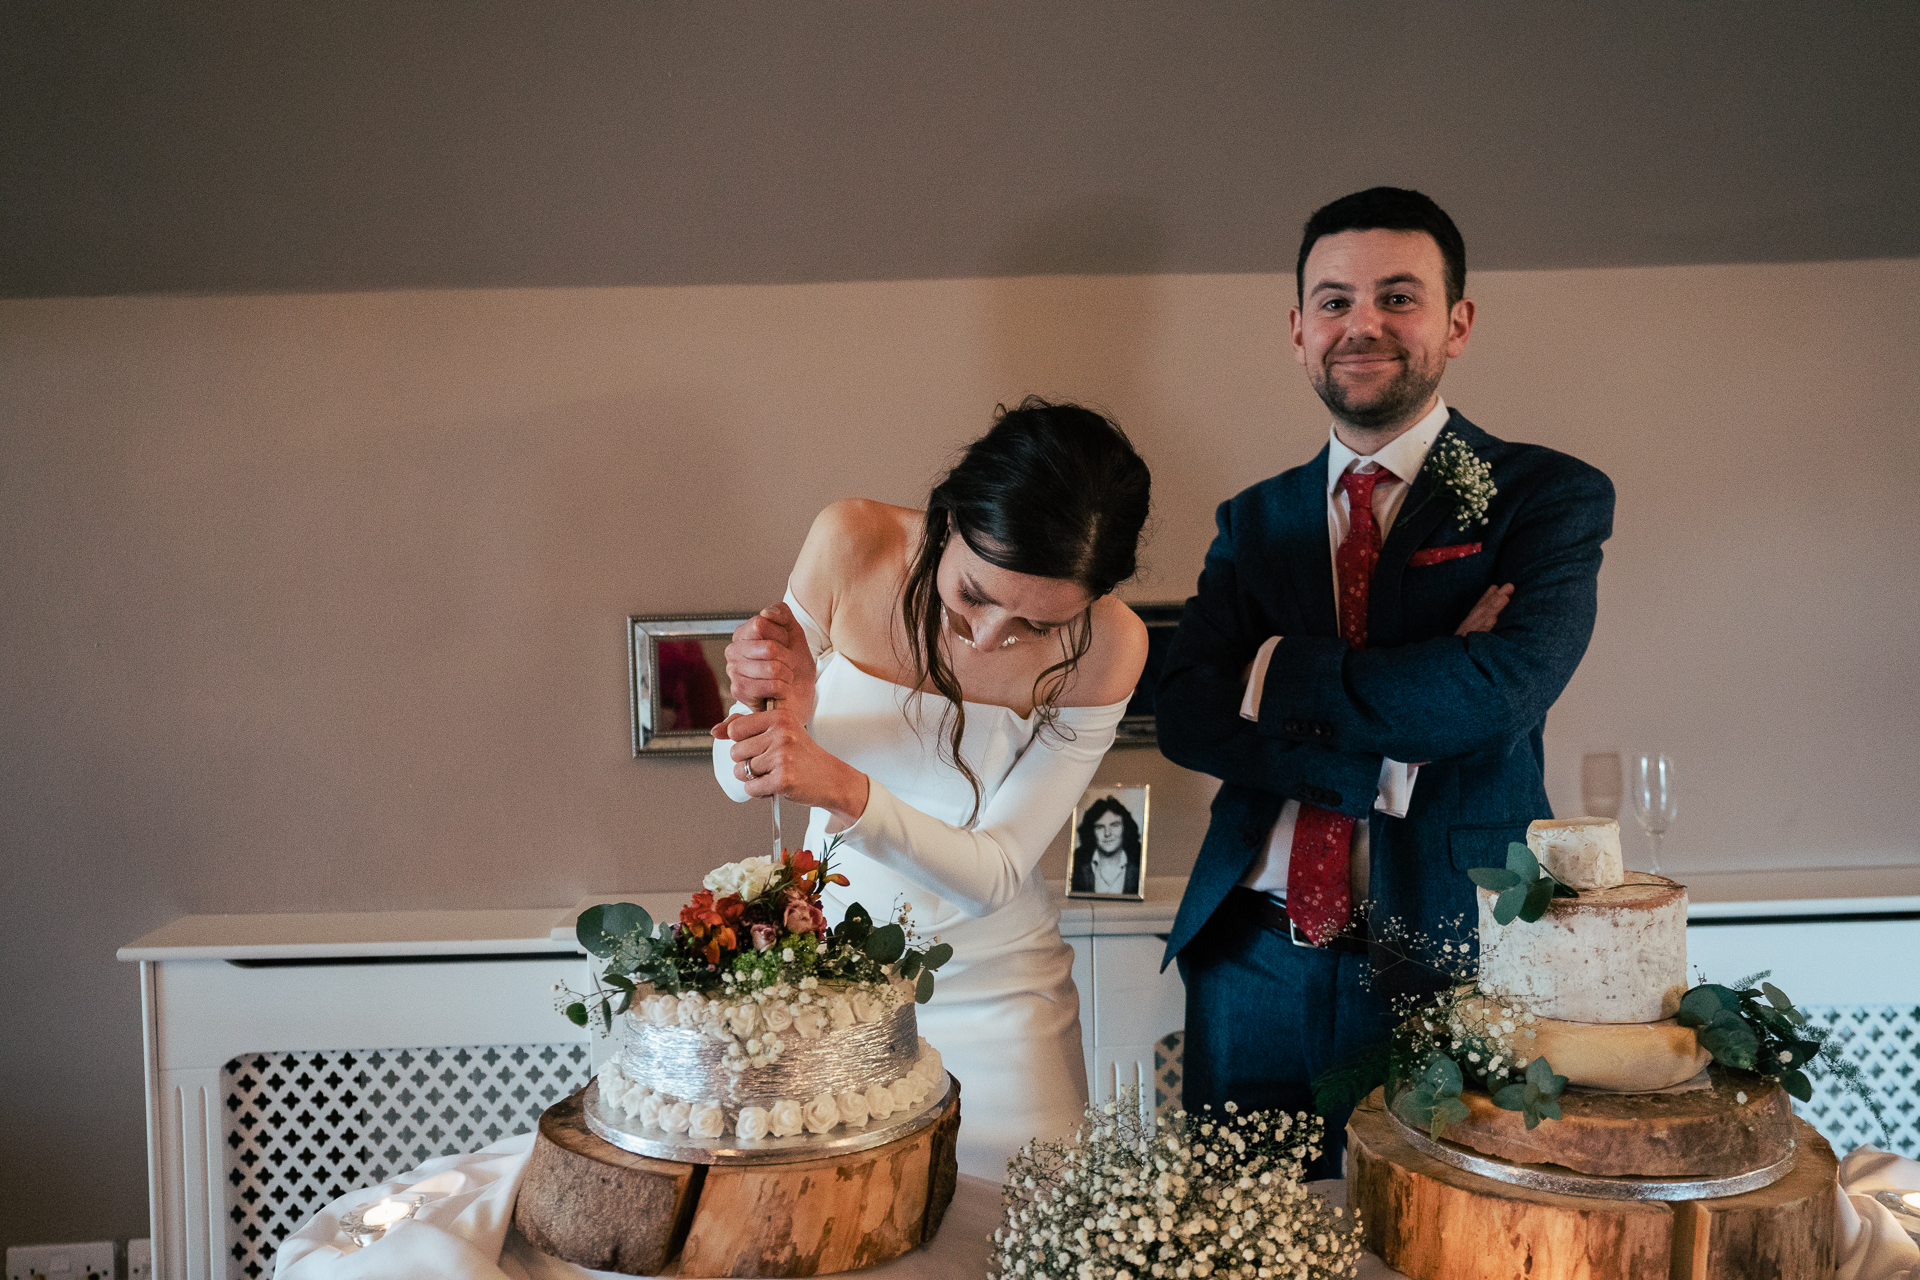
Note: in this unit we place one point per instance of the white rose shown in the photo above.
(840, 1012)
(821, 1114)
(637, 1095)
(650, 1108)
(853, 1108)
(785, 1120)
(930, 1059)
(674, 1119)
(706, 1120)
(879, 1102)
(809, 1022)
(693, 1006)
(906, 1091)
(752, 1123)
(713, 1016)
(663, 1011)
(776, 1017)
(865, 1007)
(741, 1019)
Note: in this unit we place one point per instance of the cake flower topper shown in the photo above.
(756, 923)
(1465, 475)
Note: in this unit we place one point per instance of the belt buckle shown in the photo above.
(1298, 938)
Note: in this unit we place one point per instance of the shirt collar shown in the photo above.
(1404, 455)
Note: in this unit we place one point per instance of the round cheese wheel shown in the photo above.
(1614, 955)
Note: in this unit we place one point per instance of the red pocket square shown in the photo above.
(1435, 555)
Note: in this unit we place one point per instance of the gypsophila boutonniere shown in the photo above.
(1211, 1196)
(1463, 474)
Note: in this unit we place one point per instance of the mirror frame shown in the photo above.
(644, 633)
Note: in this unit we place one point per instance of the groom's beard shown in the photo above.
(1405, 393)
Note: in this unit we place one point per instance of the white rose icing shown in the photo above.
(821, 1114)
(752, 1122)
(674, 1119)
(777, 1017)
(706, 1120)
(880, 1102)
(853, 1108)
(650, 1108)
(785, 1119)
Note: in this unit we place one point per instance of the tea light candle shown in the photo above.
(386, 1213)
(1912, 1200)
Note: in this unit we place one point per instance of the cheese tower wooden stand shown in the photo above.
(1432, 1221)
(597, 1206)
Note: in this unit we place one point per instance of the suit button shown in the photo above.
(1291, 726)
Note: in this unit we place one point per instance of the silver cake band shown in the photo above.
(690, 1065)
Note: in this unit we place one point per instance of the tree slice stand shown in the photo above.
(597, 1206)
(1431, 1221)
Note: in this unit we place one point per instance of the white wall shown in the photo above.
(314, 602)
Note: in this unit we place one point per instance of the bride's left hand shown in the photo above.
(774, 755)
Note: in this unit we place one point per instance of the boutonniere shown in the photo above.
(1464, 475)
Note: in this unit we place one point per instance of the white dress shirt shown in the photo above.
(1403, 456)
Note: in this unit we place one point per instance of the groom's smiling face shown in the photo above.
(1374, 329)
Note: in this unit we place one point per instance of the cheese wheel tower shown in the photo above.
(1603, 973)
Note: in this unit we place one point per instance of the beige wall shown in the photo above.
(314, 602)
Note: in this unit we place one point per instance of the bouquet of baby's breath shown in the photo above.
(1205, 1196)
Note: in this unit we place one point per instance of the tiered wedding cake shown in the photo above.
(1554, 1116)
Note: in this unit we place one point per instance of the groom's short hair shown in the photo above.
(1388, 209)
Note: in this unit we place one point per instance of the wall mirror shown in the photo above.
(677, 677)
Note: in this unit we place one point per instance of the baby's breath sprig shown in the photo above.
(1462, 473)
(1201, 1197)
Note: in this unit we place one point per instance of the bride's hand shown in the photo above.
(769, 658)
(774, 755)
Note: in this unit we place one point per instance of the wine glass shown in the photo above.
(1600, 790)
(1655, 802)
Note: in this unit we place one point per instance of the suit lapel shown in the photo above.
(1302, 532)
(1431, 506)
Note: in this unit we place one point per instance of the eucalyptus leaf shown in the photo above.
(626, 919)
(1539, 894)
(938, 954)
(621, 981)
(1564, 890)
(577, 1014)
(923, 989)
(1441, 1075)
(1511, 1097)
(1540, 1075)
(1493, 879)
(909, 964)
(1445, 1111)
(1548, 1108)
(1521, 862)
(592, 935)
(887, 943)
(1508, 906)
(1797, 1084)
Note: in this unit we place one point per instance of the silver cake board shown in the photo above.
(733, 1149)
(1559, 1181)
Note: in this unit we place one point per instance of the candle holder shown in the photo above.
(369, 1222)
(1905, 1207)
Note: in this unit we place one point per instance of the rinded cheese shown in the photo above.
(1581, 852)
(1632, 1057)
(1610, 955)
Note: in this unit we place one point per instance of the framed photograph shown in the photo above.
(1107, 857)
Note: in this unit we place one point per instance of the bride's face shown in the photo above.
(993, 607)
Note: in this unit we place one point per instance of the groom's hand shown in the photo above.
(1484, 614)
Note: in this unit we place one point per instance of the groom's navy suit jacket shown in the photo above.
(1470, 709)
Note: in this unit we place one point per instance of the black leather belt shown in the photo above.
(1271, 912)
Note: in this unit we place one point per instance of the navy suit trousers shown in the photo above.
(1264, 1017)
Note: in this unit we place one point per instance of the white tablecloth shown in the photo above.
(467, 1233)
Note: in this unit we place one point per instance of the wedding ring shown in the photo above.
(748, 766)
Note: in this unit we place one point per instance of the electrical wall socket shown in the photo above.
(140, 1259)
(90, 1261)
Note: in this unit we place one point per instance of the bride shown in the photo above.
(944, 684)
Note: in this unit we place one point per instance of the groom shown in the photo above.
(1366, 666)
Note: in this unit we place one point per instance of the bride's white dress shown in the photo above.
(1005, 1015)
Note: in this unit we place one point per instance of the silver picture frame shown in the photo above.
(675, 668)
(1100, 804)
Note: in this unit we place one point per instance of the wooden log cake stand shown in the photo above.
(591, 1203)
(1432, 1221)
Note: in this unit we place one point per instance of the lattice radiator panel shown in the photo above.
(1884, 1041)
(301, 1129)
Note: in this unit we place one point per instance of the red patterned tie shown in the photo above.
(1319, 900)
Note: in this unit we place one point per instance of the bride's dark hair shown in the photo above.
(1053, 490)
